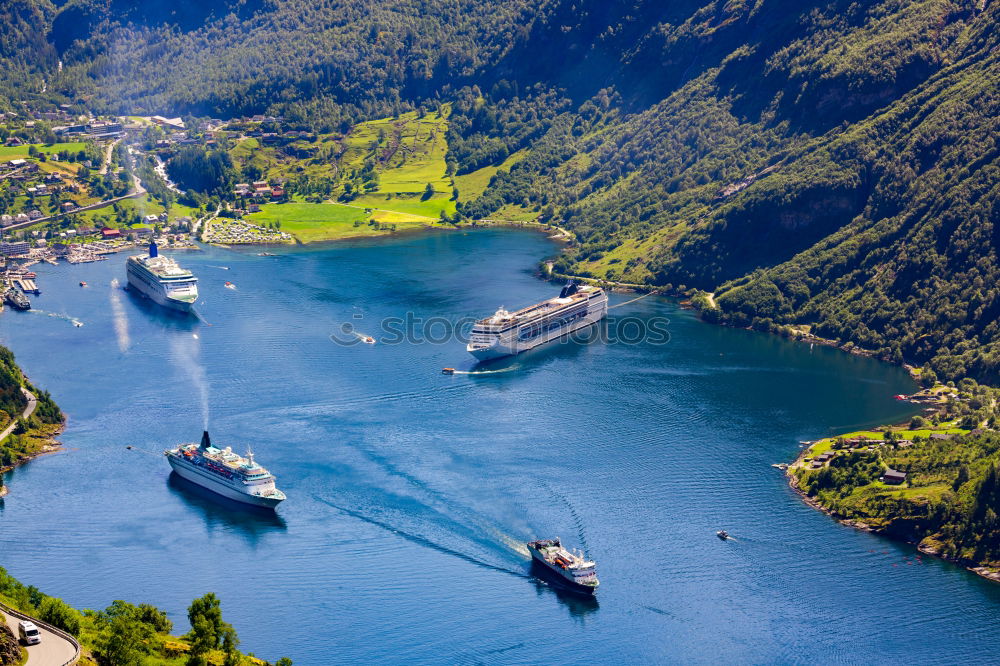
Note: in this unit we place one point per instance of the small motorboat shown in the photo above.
(230, 285)
(722, 534)
(266, 254)
(447, 371)
(900, 396)
(368, 340)
(83, 284)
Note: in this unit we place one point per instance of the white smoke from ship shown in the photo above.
(119, 318)
(187, 355)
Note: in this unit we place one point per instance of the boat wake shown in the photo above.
(221, 268)
(485, 372)
(56, 315)
(399, 501)
(424, 541)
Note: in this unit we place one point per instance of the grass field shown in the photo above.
(472, 185)
(310, 222)
(15, 152)
(431, 208)
(410, 155)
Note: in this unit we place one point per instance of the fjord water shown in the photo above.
(410, 492)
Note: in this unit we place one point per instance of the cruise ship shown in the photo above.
(225, 473)
(162, 280)
(573, 569)
(508, 333)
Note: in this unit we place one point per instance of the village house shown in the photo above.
(20, 217)
(6, 220)
(67, 206)
(34, 214)
(277, 192)
(168, 123)
(110, 233)
(893, 477)
(141, 232)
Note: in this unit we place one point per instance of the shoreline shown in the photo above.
(52, 445)
(793, 483)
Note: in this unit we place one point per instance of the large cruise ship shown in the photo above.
(507, 333)
(573, 569)
(162, 280)
(226, 473)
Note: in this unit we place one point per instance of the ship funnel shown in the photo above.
(153, 251)
(568, 290)
(205, 440)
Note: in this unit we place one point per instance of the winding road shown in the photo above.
(28, 411)
(56, 648)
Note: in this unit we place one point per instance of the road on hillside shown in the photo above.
(54, 650)
(28, 411)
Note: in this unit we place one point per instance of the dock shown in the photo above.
(26, 285)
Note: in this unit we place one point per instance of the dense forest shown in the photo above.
(823, 163)
(25, 439)
(125, 634)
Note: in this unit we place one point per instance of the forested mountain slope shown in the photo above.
(318, 59)
(838, 167)
(830, 163)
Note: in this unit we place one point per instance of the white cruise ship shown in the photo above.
(162, 280)
(507, 333)
(225, 473)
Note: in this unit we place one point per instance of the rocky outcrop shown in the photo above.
(10, 651)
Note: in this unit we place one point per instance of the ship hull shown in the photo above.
(207, 481)
(550, 572)
(137, 285)
(514, 345)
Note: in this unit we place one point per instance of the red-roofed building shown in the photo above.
(111, 233)
(277, 192)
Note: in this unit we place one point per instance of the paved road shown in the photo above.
(28, 411)
(54, 650)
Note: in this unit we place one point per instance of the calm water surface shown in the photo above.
(410, 492)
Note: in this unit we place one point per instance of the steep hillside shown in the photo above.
(323, 61)
(837, 167)
(822, 162)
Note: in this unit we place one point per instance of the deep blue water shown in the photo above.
(410, 491)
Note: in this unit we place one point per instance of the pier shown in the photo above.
(26, 285)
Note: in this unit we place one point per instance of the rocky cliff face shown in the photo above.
(10, 651)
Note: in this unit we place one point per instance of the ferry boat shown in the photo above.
(225, 473)
(508, 333)
(161, 280)
(572, 569)
(16, 299)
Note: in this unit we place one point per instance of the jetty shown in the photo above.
(26, 285)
